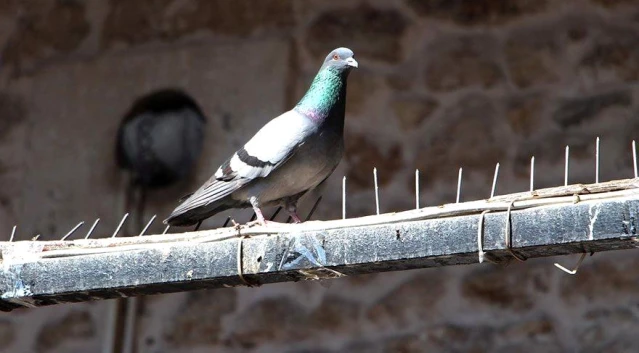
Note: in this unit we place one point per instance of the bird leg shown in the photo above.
(258, 213)
(260, 217)
(292, 210)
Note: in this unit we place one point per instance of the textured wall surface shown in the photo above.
(441, 84)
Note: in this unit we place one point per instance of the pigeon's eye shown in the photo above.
(335, 57)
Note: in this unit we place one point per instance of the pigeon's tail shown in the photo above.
(213, 197)
(192, 217)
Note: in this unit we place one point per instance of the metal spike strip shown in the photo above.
(147, 226)
(532, 173)
(492, 190)
(344, 197)
(566, 174)
(92, 228)
(634, 158)
(166, 229)
(72, 230)
(459, 182)
(597, 161)
(120, 225)
(566, 166)
(376, 190)
(417, 189)
(532, 166)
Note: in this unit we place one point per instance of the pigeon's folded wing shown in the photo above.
(273, 145)
(212, 190)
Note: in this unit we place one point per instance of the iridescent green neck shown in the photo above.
(326, 95)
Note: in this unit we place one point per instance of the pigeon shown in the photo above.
(159, 141)
(290, 155)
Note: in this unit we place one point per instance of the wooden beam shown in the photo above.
(45, 273)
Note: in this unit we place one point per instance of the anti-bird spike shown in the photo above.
(492, 190)
(376, 190)
(566, 165)
(92, 228)
(532, 173)
(597, 161)
(417, 189)
(120, 225)
(634, 158)
(344, 197)
(147, 226)
(72, 231)
(459, 183)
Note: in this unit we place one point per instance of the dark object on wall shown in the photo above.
(160, 138)
(159, 141)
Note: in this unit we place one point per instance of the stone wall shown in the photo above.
(441, 84)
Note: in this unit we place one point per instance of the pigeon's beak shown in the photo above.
(351, 62)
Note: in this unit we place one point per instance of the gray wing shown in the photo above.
(271, 147)
(213, 190)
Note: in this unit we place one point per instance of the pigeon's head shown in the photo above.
(341, 59)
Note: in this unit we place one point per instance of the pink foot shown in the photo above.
(261, 220)
(296, 219)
